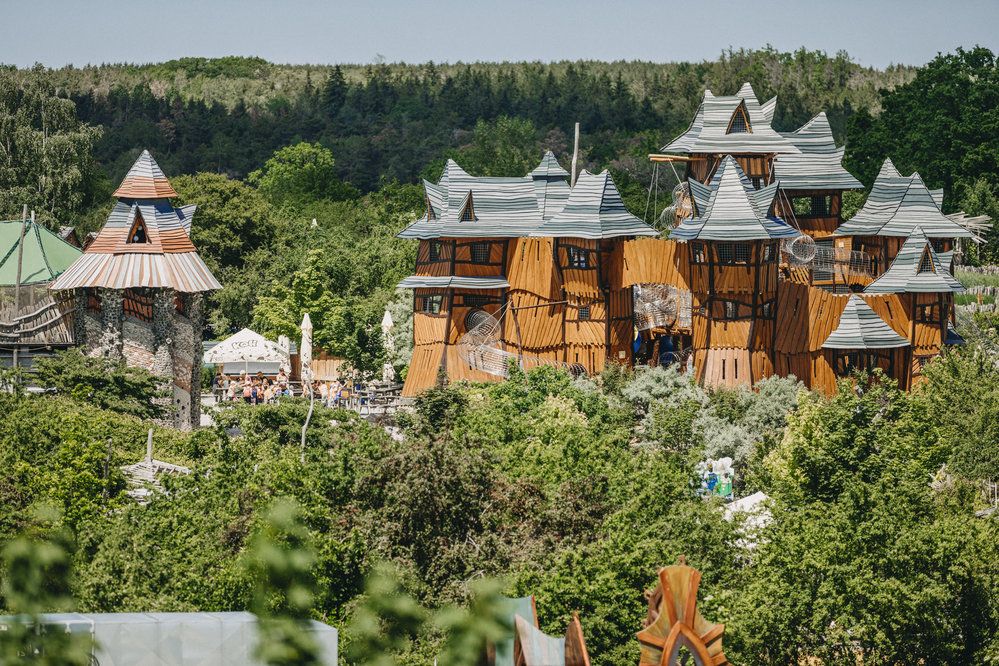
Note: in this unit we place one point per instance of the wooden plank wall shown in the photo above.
(653, 261)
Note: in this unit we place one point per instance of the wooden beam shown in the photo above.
(655, 157)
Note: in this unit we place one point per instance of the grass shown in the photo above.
(969, 279)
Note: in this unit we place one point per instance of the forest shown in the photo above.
(880, 550)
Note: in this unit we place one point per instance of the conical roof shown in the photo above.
(860, 327)
(143, 243)
(44, 257)
(594, 210)
(910, 273)
(145, 180)
(549, 167)
(734, 211)
(896, 205)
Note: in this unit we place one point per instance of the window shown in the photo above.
(468, 215)
(757, 182)
(770, 253)
(845, 363)
(137, 234)
(926, 262)
(474, 300)
(93, 301)
(733, 253)
(431, 304)
(584, 313)
(739, 123)
(697, 253)
(578, 257)
(431, 215)
(766, 310)
(928, 314)
(434, 250)
(941, 244)
(818, 206)
(731, 309)
(480, 253)
(138, 304)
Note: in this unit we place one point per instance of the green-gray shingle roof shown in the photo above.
(904, 274)
(860, 327)
(709, 131)
(898, 204)
(594, 210)
(733, 210)
(819, 165)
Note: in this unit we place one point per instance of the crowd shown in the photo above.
(261, 390)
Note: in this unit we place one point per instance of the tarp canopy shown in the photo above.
(165, 639)
(246, 347)
(44, 257)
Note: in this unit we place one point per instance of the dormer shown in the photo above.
(926, 262)
(739, 123)
(137, 234)
(468, 209)
(431, 213)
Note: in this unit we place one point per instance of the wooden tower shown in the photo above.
(733, 243)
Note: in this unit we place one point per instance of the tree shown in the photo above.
(45, 151)
(301, 173)
(107, 384)
(281, 560)
(37, 569)
(505, 147)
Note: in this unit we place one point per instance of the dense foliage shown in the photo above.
(570, 490)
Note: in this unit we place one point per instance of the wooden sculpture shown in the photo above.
(674, 622)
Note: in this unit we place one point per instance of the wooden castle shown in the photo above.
(758, 276)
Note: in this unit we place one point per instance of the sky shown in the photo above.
(874, 32)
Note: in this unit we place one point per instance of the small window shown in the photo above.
(578, 257)
(928, 314)
(731, 309)
(926, 262)
(431, 215)
(733, 253)
(770, 253)
(766, 310)
(817, 206)
(584, 313)
(480, 253)
(757, 182)
(820, 207)
(941, 244)
(431, 304)
(697, 253)
(474, 300)
(137, 234)
(739, 124)
(435, 250)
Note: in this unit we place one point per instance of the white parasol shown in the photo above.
(246, 347)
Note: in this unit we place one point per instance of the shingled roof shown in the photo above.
(594, 210)
(916, 269)
(819, 165)
(860, 327)
(145, 180)
(144, 242)
(729, 209)
(717, 129)
(898, 204)
(550, 185)
(465, 206)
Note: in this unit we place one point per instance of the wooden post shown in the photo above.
(575, 156)
(17, 284)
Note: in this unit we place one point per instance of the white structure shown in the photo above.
(244, 348)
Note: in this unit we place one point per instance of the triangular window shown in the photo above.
(468, 212)
(431, 215)
(137, 234)
(739, 124)
(926, 262)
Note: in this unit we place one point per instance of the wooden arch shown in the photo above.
(674, 622)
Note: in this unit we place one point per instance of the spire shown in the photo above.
(549, 167)
(734, 211)
(145, 180)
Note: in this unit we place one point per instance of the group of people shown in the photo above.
(253, 390)
(261, 390)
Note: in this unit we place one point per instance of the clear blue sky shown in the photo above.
(874, 32)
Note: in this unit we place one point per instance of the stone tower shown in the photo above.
(139, 289)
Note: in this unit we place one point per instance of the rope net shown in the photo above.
(481, 347)
(661, 306)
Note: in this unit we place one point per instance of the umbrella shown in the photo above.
(245, 347)
(305, 352)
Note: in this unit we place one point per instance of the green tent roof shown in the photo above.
(45, 254)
